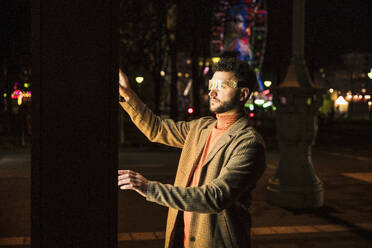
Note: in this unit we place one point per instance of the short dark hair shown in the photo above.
(241, 70)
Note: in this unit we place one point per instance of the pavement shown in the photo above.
(345, 220)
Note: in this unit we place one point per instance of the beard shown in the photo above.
(224, 106)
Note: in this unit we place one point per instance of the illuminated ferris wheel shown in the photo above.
(241, 26)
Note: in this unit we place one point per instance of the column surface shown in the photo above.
(74, 143)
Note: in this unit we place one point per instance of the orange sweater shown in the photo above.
(223, 123)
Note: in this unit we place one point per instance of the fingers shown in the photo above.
(127, 186)
(128, 179)
(123, 79)
(124, 87)
(122, 172)
(129, 174)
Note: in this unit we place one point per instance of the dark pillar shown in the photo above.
(74, 150)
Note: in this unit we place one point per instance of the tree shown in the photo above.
(194, 27)
(145, 44)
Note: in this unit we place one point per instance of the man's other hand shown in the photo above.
(128, 179)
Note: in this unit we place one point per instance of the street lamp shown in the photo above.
(139, 79)
(215, 60)
(295, 184)
(267, 83)
(370, 74)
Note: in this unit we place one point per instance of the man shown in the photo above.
(220, 163)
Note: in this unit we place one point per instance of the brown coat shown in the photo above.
(220, 203)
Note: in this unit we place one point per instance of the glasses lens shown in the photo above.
(215, 84)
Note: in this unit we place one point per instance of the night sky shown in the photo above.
(15, 28)
(333, 27)
(339, 26)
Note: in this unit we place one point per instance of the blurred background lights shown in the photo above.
(267, 83)
(341, 105)
(250, 106)
(267, 104)
(341, 101)
(26, 85)
(265, 92)
(216, 59)
(139, 79)
(15, 94)
(20, 100)
(370, 74)
(205, 71)
(330, 90)
(162, 73)
(190, 110)
(259, 101)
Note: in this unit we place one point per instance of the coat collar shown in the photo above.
(226, 137)
(223, 141)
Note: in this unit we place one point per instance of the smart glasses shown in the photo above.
(219, 84)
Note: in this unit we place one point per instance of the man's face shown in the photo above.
(224, 99)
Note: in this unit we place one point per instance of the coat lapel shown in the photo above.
(199, 149)
(226, 137)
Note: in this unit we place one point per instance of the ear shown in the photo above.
(244, 94)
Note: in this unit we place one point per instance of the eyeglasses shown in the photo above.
(218, 84)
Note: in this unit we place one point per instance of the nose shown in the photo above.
(212, 92)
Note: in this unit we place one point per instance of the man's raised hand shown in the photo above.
(124, 86)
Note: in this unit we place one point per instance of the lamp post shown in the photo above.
(295, 184)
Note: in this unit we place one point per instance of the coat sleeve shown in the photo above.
(240, 174)
(156, 129)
